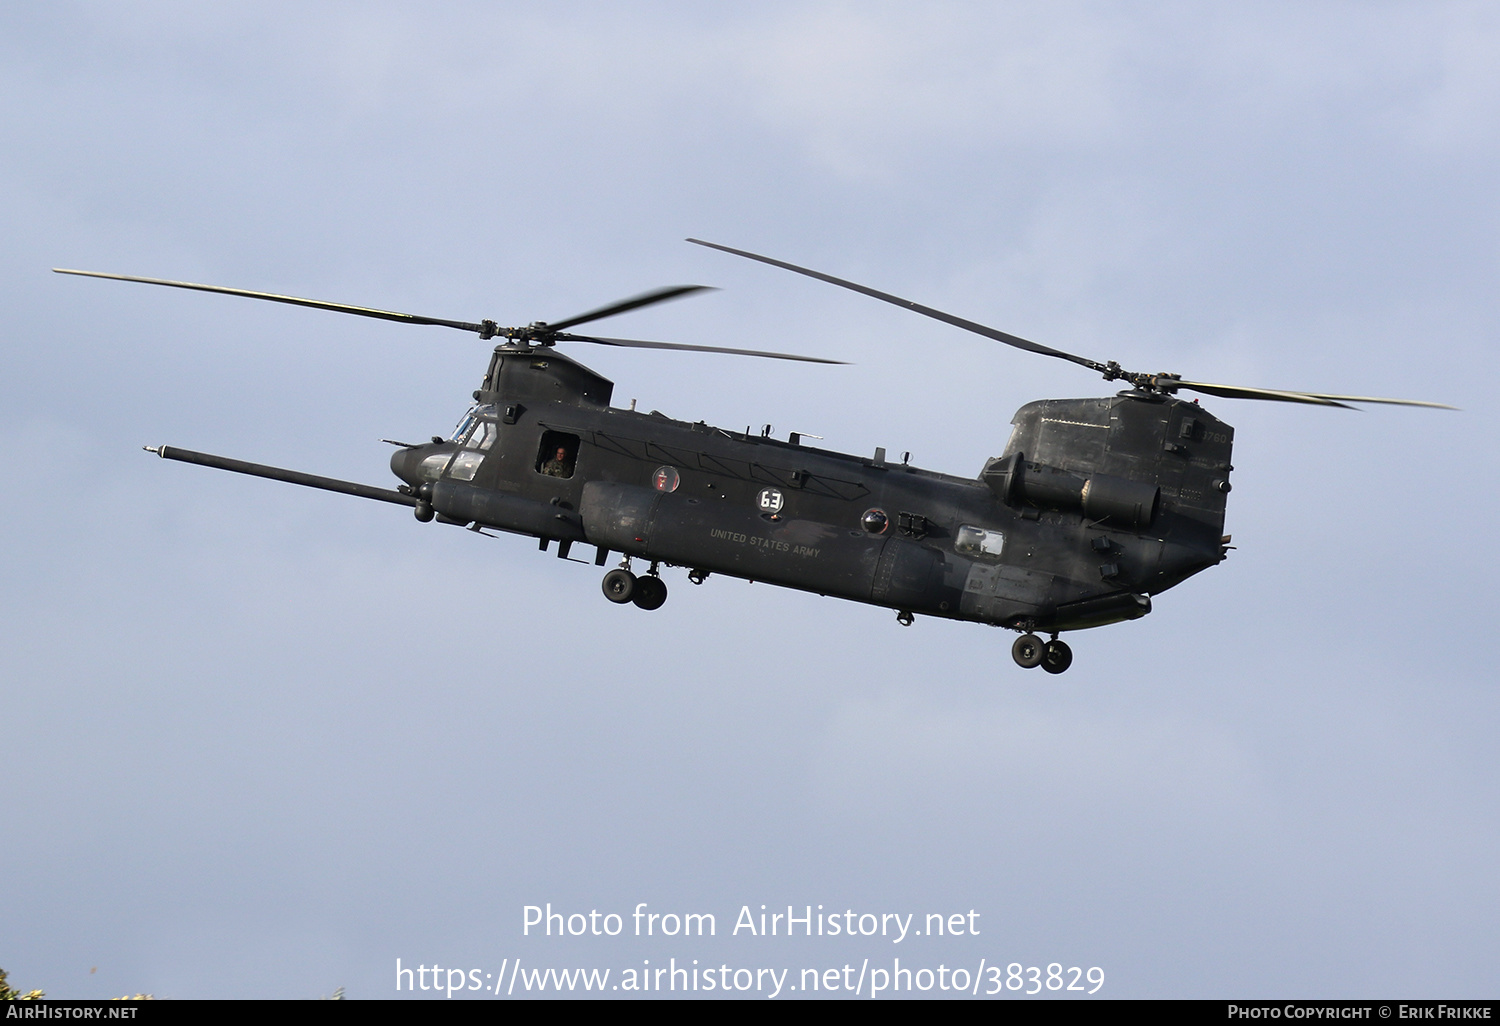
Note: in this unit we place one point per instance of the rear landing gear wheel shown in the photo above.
(1027, 651)
(650, 592)
(620, 586)
(1057, 656)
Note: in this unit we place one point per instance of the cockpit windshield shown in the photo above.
(465, 424)
(475, 415)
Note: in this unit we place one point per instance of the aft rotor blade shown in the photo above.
(1315, 398)
(1244, 392)
(634, 303)
(1378, 399)
(317, 304)
(635, 343)
(926, 311)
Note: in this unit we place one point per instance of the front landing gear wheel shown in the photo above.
(1027, 651)
(1057, 656)
(620, 586)
(650, 592)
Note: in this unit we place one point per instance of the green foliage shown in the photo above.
(9, 993)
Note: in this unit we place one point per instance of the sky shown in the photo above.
(264, 741)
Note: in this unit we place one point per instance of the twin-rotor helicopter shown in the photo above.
(1094, 506)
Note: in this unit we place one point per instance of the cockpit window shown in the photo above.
(482, 436)
(464, 425)
(432, 467)
(464, 465)
(475, 415)
(976, 541)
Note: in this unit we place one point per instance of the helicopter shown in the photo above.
(1094, 505)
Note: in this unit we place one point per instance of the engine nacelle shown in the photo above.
(1121, 501)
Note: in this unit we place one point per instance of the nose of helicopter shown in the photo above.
(406, 463)
(419, 464)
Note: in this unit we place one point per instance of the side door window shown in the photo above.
(557, 455)
(978, 542)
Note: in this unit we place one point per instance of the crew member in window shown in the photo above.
(558, 466)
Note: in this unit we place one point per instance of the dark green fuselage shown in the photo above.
(1095, 504)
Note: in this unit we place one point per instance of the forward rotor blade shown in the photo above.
(634, 303)
(635, 343)
(926, 311)
(317, 304)
(1315, 398)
